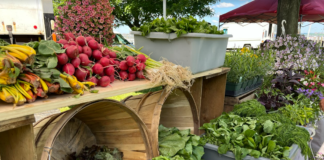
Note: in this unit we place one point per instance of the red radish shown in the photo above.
(87, 50)
(109, 71)
(100, 46)
(69, 69)
(72, 43)
(131, 76)
(62, 58)
(130, 60)
(81, 74)
(81, 40)
(68, 36)
(137, 61)
(104, 62)
(107, 56)
(105, 52)
(111, 61)
(62, 41)
(140, 66)
(123, 65)
(66, 46)
(112, 78)
(93, 79)
(102, 74)
(141, 58)
(80, 49)
(104, 81)
(76, 62)
(84, 59)
(72, 52)
(116, 63)
(140, 75)
(96, 54)
(112, 54)
(123, 75)
(93, 44)
(132, 69)
(89, 39)
(97, 68)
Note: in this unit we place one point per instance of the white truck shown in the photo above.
(249, 34)
(26, 20)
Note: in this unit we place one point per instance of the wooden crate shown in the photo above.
(171, 109)
(103, 122)
(231, 101)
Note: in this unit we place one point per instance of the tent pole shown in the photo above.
(300, 23)
(164, 9)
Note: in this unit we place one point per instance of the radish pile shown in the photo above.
(88, 60)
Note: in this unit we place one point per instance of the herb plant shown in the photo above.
(179, 26)
(286, 80)
(175, 144)
(251, 108)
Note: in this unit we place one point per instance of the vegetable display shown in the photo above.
(179, 26)
(175, 144)
(248, 136)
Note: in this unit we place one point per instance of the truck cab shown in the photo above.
(26, 20)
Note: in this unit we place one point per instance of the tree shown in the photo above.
(288, 10)
(136, 12)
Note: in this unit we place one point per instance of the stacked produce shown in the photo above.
(159, 73)
(88, 60)
(175, 144)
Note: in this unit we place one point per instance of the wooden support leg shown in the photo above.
(212, 100)
(17, 139)
(196, 91)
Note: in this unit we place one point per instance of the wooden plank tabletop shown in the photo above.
(59, 101)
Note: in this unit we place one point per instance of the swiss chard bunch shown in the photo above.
(244, 136)
(175, 144)
(178, 26)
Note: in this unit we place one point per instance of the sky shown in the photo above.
(225, 6)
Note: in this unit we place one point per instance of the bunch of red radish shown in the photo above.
(88, 60)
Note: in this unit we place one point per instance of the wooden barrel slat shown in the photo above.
(104, 122)
(171, 109)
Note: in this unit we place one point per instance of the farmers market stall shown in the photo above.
(17, 134)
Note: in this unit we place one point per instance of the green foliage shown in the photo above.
(56, 4)
(180, 26)
(302, 111)
(251, 108)
(246, 64)
(258, 138)
(3, 42)
(175, 144)
(137, 12)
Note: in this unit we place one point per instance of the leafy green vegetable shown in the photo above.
(175, 144)
(3, 42)
(180, 26)
(49, 48)
(248, 136)
(251, 108)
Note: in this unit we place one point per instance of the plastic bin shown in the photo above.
(211, 153)
(199, 51)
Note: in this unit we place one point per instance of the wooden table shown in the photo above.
(16, 129)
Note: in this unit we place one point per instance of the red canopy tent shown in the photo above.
(266, 11)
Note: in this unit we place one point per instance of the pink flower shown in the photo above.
(312, 83)
(322, 84)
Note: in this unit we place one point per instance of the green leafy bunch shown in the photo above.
(175, 144)
(247, 136)
(179, 26)
(251, 108)
(302, 111)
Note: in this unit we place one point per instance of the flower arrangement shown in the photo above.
(295, 51)
(86, 17)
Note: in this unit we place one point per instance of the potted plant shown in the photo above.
(186, 41)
